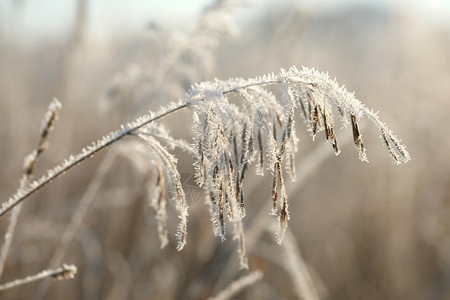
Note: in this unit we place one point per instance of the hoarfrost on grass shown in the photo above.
(229, 137)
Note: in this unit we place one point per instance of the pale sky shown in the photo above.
(36, 19)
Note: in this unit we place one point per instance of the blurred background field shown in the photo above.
(366, 231)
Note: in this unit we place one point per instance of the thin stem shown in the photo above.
(238, 88)
(9, 236)
(64, 272)
(77, 219)
(78, 159)
(238, 285)
(22, 194)
(297, 269)
(85, 204)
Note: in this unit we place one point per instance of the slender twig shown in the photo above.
(64, 272)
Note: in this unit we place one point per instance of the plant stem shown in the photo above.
(64, 272)
(22, 194)
(78, 159)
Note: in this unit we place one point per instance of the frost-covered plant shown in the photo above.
(236, 123)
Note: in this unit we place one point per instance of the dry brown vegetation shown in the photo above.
(356, 230)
